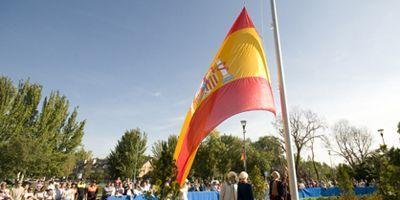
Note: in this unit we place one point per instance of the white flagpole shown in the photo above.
(281, 78)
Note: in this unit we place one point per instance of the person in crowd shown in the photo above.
(39, 185)
(82, 190)
(28, 194)
(245, 190)
(129, 190)
(40, 193)
(285, 185)
(119, 190)
(267, 191)
(276, 190)
(6, 194)
(137, 190)
(118, 181)
(57, 192)
(301, 185)
(51, 185)
(109, 190)
(361, 183)
(49, 194)
(69, 192)
(92, 191)
(18, 191)
(183, 192)
(229, 188)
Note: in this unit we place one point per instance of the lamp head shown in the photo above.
(380, 131)
(243, 122)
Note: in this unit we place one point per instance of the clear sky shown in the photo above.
(130, 64)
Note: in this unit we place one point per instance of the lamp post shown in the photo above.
(380, 131)
(330, 158)
(243, 122)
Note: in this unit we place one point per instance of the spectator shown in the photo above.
(70, 192)
(17, 192)
(81, 190)
(108, 191)
(229, 188)
(276, 190)
(245, 190)
(28, 194)
(183, 192)
(92, 191)
(40, 194)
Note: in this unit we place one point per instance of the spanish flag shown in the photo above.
(237, 81)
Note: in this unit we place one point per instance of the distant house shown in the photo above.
(146, 168)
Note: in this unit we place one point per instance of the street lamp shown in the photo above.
(381, 133)
(243, 122)
(330, 158)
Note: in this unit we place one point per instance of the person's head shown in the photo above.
(3, 185)
(232, 177)
(93, 183)
(275, 175)
(18, 183)
(73, 185)
(243, 176)
(29, 190)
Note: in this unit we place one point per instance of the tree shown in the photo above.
(157, 147)
(207, 158)
(128, 155)
(164, 169)
(398, 128)
(304, 126)
(258, 182)
(270, 153)
(33, 142)
(344, 181)
(351, 143)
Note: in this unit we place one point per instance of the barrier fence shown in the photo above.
(303, 193)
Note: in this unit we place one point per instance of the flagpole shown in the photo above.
(281, 78)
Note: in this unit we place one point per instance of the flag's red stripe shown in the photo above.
(250, 93)
(243, 21)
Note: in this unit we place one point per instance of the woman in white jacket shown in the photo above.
(229, 188)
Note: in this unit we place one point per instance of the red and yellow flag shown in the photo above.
(237, 81)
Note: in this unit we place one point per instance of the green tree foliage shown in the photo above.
(344, 181)
(207, 158)
(217, 155)
(389, 182)
(128, 154)
(307, 170)
(258, 182)
(157, 147)
(164, 169)
(32, 141)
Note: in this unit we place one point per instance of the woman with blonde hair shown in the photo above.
(276, 190)
(229, 187)
(245, 190)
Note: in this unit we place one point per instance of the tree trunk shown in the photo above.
(313, 160)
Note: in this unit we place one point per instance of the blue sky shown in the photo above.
(130, 64)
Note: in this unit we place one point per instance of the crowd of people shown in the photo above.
(234, 187)
(49, 190)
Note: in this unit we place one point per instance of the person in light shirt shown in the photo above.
(229, 187)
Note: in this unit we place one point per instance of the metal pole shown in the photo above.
(330, 158)
(244, 149)
(288, 142)
(381, 133)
